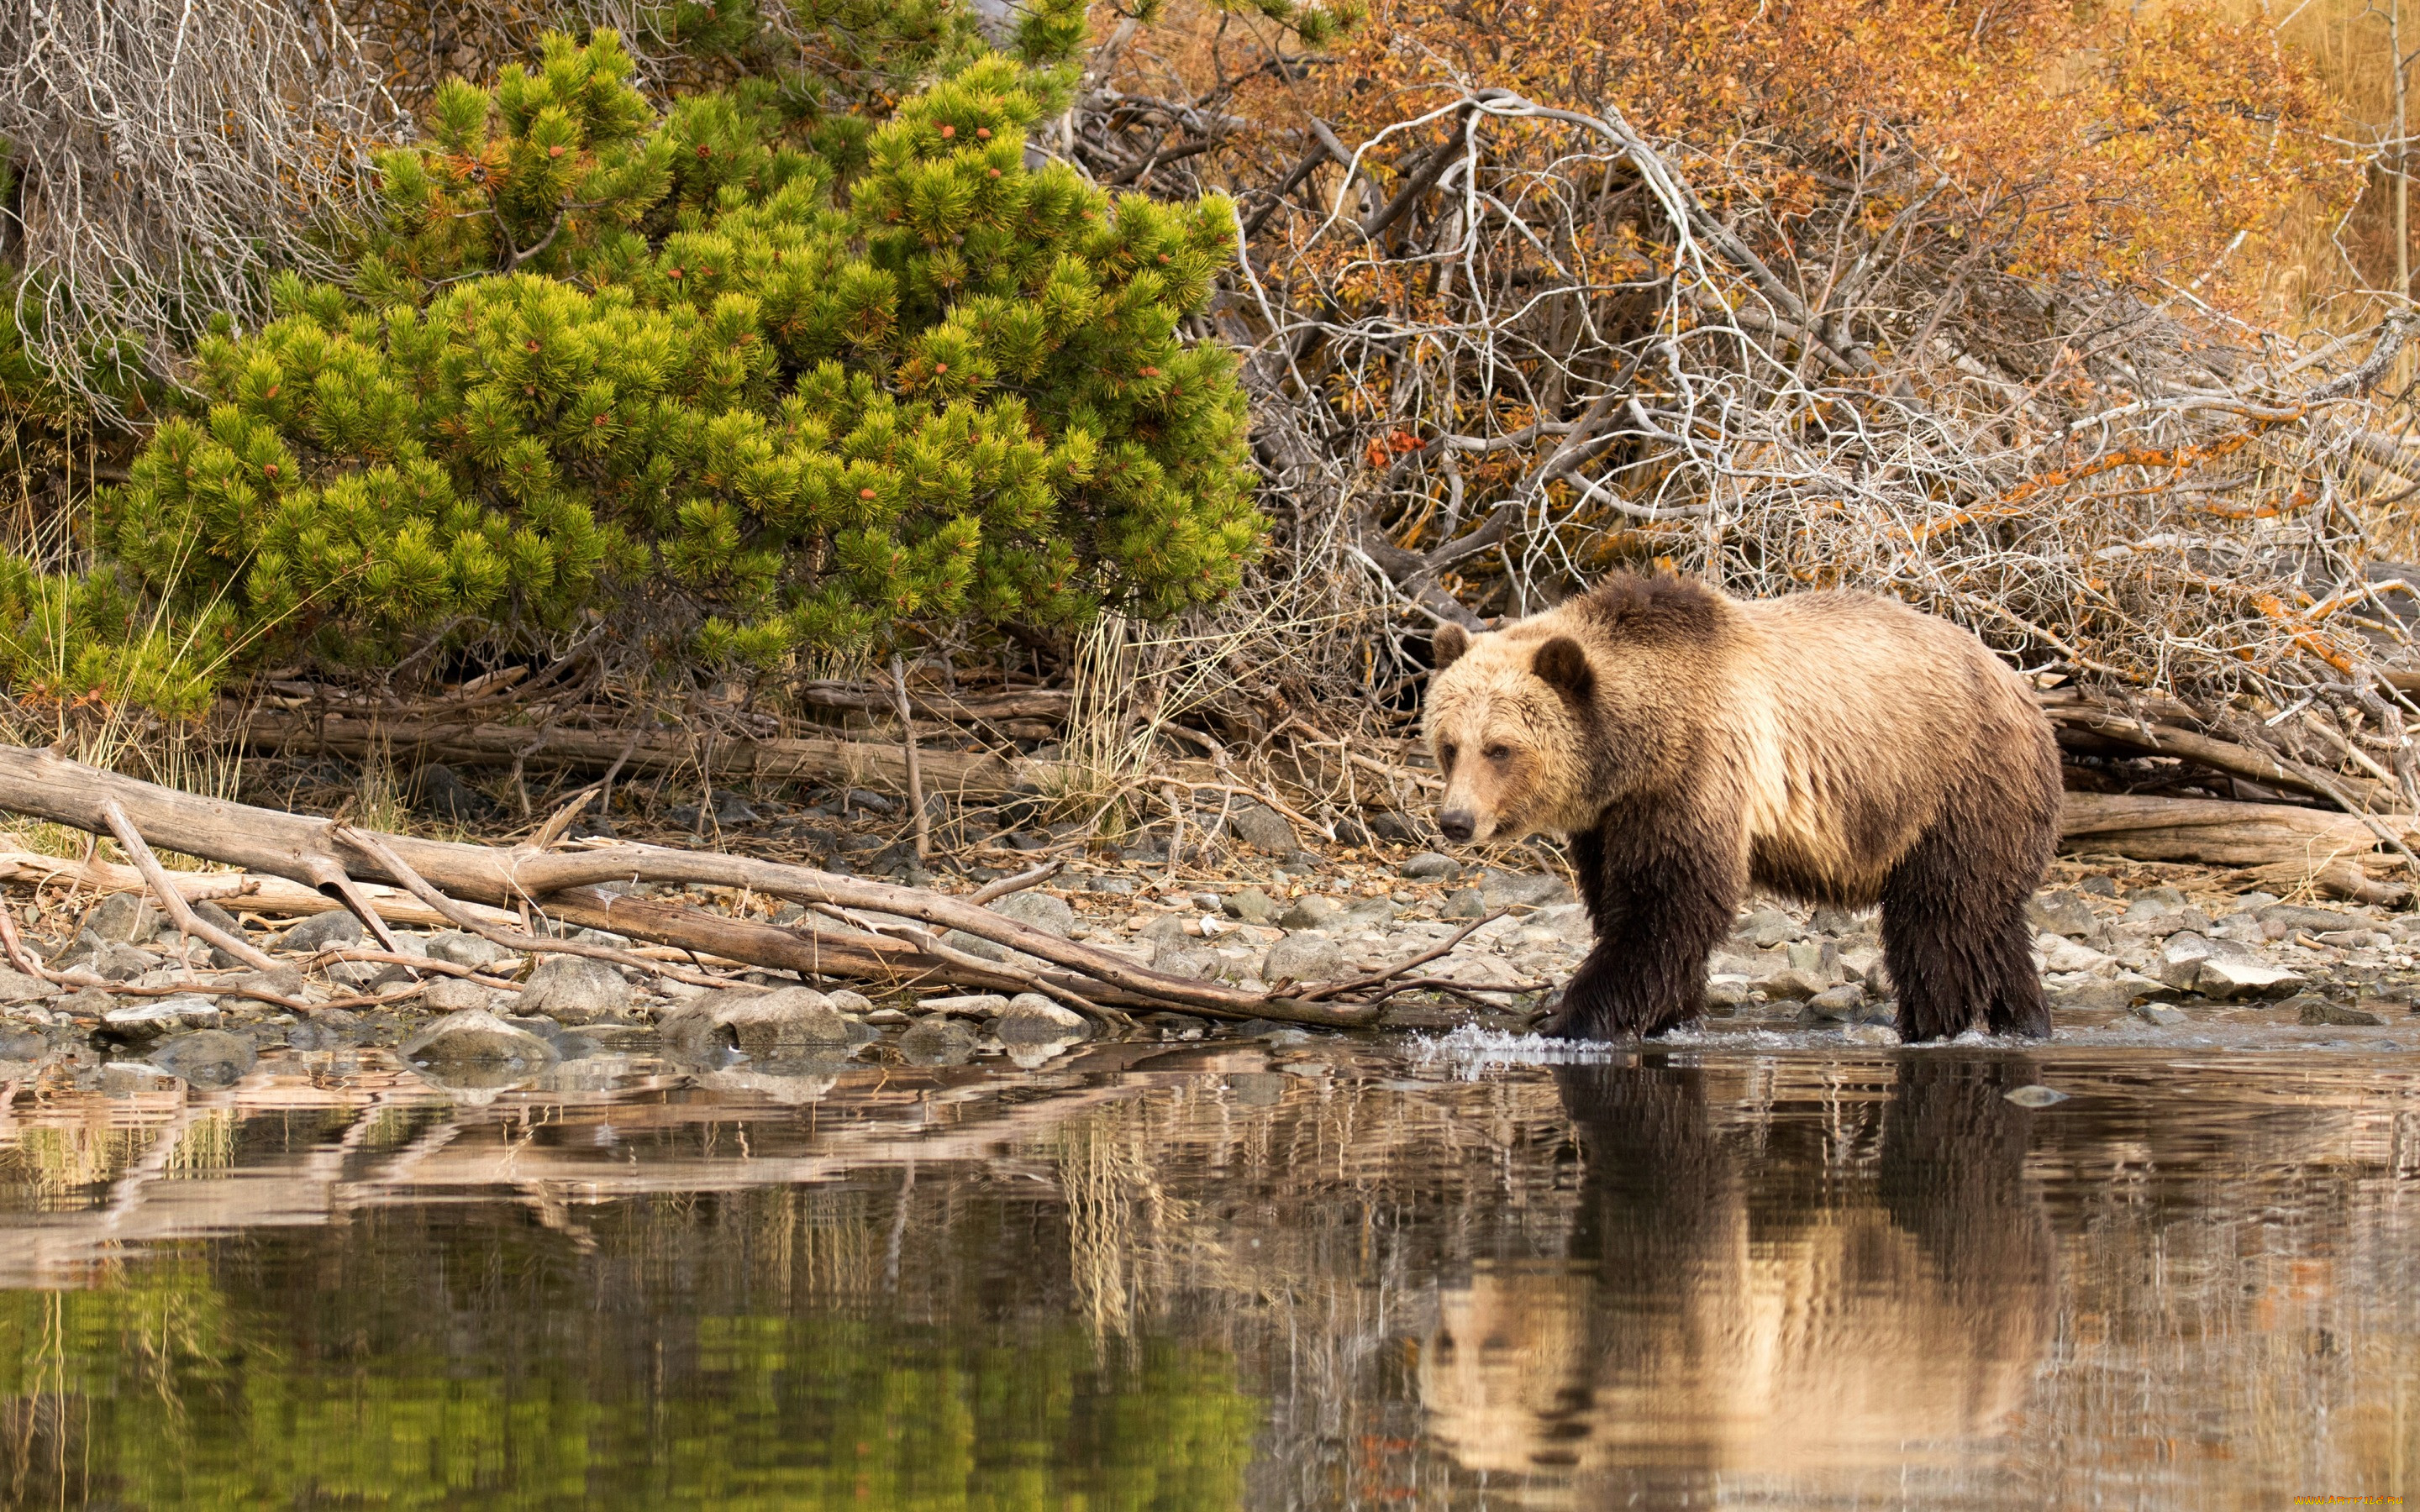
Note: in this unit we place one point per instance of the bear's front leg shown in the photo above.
(1661, 898)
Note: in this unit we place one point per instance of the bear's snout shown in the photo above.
(1457, 825)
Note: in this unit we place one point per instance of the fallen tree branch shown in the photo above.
(187, 923)
(564, 885)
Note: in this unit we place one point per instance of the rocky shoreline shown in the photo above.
(2133, 958)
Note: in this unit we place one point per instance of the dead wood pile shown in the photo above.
(892, 937)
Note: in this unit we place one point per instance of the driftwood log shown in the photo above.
(2335, 852)
(861, 930)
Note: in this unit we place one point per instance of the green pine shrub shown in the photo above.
(745, 379)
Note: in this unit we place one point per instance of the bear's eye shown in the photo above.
(1498, 753)
(1445, 756)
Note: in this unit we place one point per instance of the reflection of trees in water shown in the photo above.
(1647, 1277)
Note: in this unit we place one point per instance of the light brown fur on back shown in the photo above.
(1827, 720)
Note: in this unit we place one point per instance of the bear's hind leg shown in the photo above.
(1958, 944)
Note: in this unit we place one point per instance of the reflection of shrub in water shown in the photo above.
(1771, 1306)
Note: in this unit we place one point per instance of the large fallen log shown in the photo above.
(718, 757)
(2333, 852)
(891, 944)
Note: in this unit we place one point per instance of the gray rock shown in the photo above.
(575, 989)
(1311, 911)
(1042, 910)
(936, 1040)
(1469, 903)
(125, 917)
(1430, 866)
(2182, 957)
(286, 981)
(2159, 1013)
(478, 1036)
(1187, 958)
(1263, 829)
(1522, 889)
(207, 1057)
(322, 932)
(2111, 993)
(2035, 1096)
(1304, 959)
(1835, 1003)
(1033, 1018)
(2317, 1010)
(1252, 905)
(731, 808)
(2227, 980)
(1768, 926)
(1782, 982)
(114, 962)
(1819, 959)
(1867, 1033)
(463, 949)
(974, 945)
(452, 995)
(2062, 913)
(869, 801)
(17, 987)
(787, 1021)
(440, 791)
(968, 1005)
(852, 1002)
(330, 1028)
(162, 1016)
(2289, 918)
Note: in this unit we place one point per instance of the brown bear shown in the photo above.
(1832, 747)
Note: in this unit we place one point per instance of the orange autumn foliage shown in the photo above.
(2067, 141)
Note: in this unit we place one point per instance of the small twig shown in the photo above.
(915, 763)
(1002, 888)
(1334, 989)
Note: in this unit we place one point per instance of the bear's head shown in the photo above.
(1508, 723)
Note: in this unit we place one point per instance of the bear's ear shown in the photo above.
(1447, 645)
(1562, 666)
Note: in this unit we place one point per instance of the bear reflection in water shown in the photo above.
(1781, 1298)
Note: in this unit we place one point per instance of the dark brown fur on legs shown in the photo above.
(1955, 936)
(1660, 902)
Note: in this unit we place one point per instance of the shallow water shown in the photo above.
(1331, 1274)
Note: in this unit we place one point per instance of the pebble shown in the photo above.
(207, 1057)
(17, 987)
(1252, 905)
(1469, 903)
(576, 990)
(1042, 910)
(2035, 1096)
(2315, 1010)
(936, 1040)
(1304, 959)
(462, 948)
(1263, 829)
(968, 1005)
(2159, 1014)
(1032, 1018)
(1311, 911)
(322, 932)
(1431, 866)
(478, 1036)
(162, 1016)
(452, 995)
(122, 918)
